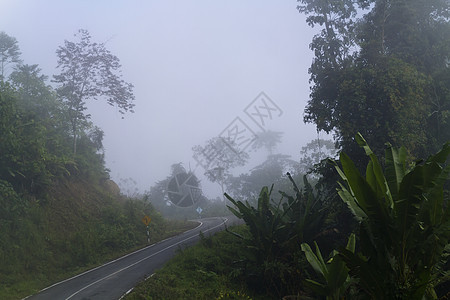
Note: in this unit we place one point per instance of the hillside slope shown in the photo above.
(80, 224)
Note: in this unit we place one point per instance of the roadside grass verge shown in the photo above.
(19, 285)
(206, 270)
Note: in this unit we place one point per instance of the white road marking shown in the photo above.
(112, 261)
(130, 290)
(139, 261)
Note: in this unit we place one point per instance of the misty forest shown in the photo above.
(362, 211)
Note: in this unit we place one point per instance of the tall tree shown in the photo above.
(34, 93)
(268, 140)
(9, 53)
(314, 152)
(335, 41)
(29, 158)
(272, 171)
(36, 97)
(90, 71)
(381, 73)
(29, 80)
(218, 157)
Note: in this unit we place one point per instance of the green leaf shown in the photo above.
(404, 223)
(395, 168)
(435, 178)
(316, 262)
(369, 278)
(322, 262)
(337, 274)
(358, 186)
(442, 156)
(235, 212)
(363, 144)
(436, 198)
(375, 170)
(348, 198)
(316, 287)
(351, 243)
(410, 197)
(372, 180)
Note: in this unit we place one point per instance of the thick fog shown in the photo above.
(195, 66)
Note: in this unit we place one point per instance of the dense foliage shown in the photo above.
(201, 272)
(381, 68)
(404, 223)
(89, 71)
(59, 212)
(277, 229)
(273, 169)
(158, 197)
(35, 131)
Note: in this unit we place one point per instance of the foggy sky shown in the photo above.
(195, 66)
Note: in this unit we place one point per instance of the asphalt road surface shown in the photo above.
(114, 279)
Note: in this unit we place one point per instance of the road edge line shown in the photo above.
(112, 261)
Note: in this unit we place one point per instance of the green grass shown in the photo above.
(19, 285)
(78, 227)
(204, 271)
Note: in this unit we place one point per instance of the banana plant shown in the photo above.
(333, 273)
(264, 222)
(404, 222)
(279, 228)
(276, 232)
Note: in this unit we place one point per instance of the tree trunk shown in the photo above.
(74, 130)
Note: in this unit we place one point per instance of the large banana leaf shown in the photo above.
(435, 195)
(410, 197)
(404, 224)
(374, 173)
(277, 229)
(333, 274)
(395, 169)
(369, 195)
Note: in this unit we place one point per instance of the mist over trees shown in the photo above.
(271, 171)
(380, 68)
(268, 140)
(89, 71)
(37, 119)
(159, 196)
(380, 77)
(9, 53)
(58, 208)
(217, 158)
(314, 152)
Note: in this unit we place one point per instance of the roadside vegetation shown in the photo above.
(398, 247)
(79, 227)
(371, 221)
(60, 213)
(204, 271)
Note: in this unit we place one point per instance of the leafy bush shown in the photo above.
(333, 275)
(404, 222)
(204, 271)
(276, 231)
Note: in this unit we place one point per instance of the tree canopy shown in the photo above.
(90, 71)
(381, 67)
(35, 133)
(268, 140)
(218, 157)
(9, 53)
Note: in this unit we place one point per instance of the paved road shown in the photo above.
(114, 279)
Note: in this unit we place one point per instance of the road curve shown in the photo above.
(114, 279)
